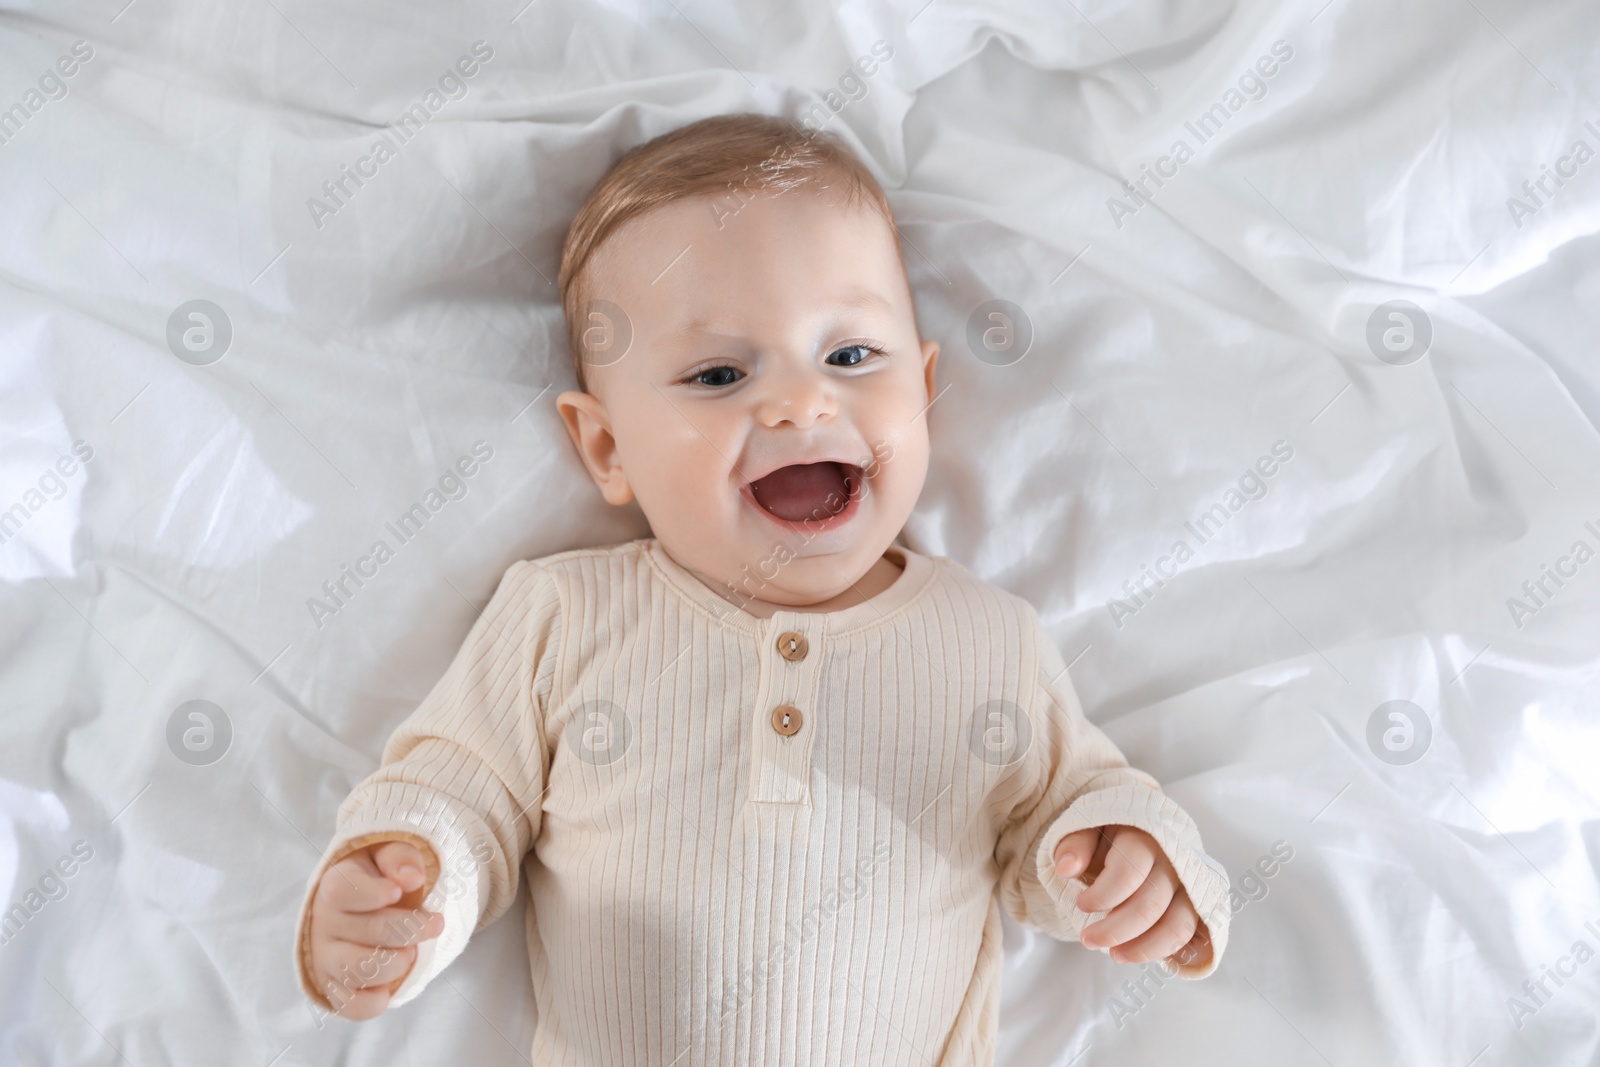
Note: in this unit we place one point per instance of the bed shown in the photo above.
(1293, 446)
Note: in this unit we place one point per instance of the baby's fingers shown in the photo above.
(1075, 853)
(357, 1005)
(401, 862)
(1129, 861)
(354, 967)
(1197, 952)
(1171, 933)
(1133, 916)
(386, 927)
(355, 884)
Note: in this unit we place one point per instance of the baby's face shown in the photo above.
(770, 447)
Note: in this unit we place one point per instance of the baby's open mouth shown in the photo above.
(805, 492)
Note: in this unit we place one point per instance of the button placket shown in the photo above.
(784, 719)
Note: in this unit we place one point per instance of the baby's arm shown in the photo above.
(1087, 817)
(460, 782)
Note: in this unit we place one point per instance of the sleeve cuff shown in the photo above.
(402, 987)
(1158, 815)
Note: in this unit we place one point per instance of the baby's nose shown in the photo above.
(799, 397)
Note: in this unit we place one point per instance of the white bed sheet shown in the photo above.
(1173, 346)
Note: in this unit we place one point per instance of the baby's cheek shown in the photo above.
(901, 451)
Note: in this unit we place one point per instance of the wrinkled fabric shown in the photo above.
(1253, 508)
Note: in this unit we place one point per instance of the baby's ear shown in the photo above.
(590, 429)
(930, 356)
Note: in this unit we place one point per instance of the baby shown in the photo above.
(769, 775)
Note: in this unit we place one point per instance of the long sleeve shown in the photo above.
(462, 777)
(1076, 778)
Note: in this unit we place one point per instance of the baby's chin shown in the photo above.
(777, 578)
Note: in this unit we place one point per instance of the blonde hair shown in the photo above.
(734, 155)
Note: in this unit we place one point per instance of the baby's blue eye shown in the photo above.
(703, 375)
(864, 351)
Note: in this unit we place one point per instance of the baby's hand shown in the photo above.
(1150, 914)
(361, 946)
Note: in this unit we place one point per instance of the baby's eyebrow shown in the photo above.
(699, 326)
(860, 301)
(866, 299)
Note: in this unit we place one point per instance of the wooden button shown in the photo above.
(792, 646)
(786, 719)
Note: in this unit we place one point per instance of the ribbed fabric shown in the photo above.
(706, 890)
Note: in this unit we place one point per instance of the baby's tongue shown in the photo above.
(802, 491)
